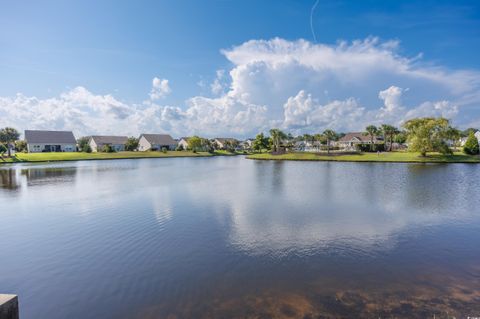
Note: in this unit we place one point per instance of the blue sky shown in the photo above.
(61, 56)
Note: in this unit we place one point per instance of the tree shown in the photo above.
(320, 138)
(389, 132)
(260, 142)
(207, 145)
(194, 143)
(277, 136)
(83, 145)
(3, 149)
(107, 148)
(454, 135)
(428, 134)
(131, 144)
(469, 130)
(8, 136)
(20, 146)
(471, 145)
(329, 136)
(400, 138)
(371, 131)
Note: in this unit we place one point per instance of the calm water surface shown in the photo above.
(227, 237)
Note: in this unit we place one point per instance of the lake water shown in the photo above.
(227, 237)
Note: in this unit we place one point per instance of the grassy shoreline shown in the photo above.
(79, 156)
(387, 157)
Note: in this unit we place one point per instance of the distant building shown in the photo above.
(351, 139)
(50, 141)
(156, 142)
(98, 142)
(183, 142)
(477, 135)
(247, 144)
(222, 141)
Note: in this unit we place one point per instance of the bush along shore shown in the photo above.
(399, 157)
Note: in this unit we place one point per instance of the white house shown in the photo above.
(183, 142)
(97, 142)
(50, 141)
(351, 139)
(156, 142)
(477, 135)
(247, 144)
(222, 141)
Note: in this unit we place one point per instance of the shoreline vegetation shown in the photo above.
(366, 157)
(81, 156)
(386, 157)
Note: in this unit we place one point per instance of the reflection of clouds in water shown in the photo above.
(344, 208)
(161, 204)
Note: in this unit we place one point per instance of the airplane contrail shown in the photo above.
(311, 20)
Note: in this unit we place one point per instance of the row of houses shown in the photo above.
(64, 141)
(350, 140)
(346, 142)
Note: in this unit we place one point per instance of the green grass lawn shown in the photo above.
(77, 156)
(402, 157)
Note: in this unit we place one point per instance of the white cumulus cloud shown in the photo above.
(297, 85)
(160, 88)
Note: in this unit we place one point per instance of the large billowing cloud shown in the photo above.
(295, 85)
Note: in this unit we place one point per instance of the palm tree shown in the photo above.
(389, 132)
(329, 135)
(371, 131)
(277, 137)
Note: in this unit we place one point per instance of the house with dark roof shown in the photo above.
(50, 141)
(98, 142)
(351, 139)
(156, 142)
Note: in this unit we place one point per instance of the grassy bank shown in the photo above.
(79, 156)
(400, 157)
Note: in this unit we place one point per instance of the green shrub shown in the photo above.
(471, 145)
(20, 146)
(180, 148)
(108, 149)
(87, 149)
(368, 147)
(164, 149)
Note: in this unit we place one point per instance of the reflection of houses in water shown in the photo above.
(9, 179)
(41, 176)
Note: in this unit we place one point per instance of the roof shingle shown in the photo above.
(45, 137)
(159, 139)
(101, 139)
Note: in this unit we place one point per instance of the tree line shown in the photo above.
(423, 135)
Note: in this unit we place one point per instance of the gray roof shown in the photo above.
(45, 137)
(360, 136)
(101, 139)
(159, 139)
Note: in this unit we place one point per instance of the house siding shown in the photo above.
(99, 147)
(45, 147)
(143, 144)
